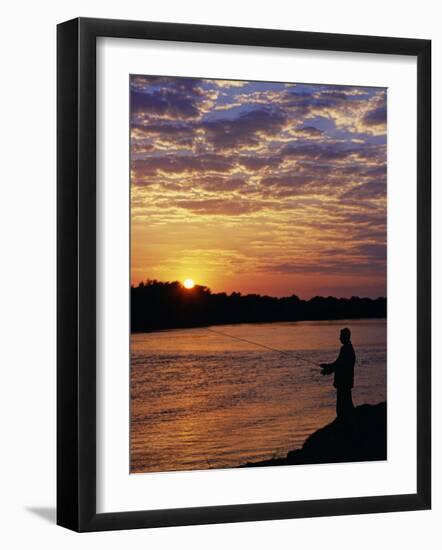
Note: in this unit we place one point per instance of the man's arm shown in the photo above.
(329, 368)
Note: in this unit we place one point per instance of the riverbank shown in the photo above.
(159, 305)
(344, 320)
(362, 439)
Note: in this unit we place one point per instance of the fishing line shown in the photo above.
(291, 353)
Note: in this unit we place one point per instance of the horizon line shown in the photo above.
(148, 282)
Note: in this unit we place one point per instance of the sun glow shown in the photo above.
(188, 283)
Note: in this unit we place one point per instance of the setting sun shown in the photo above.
(188, 283)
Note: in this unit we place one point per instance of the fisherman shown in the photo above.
(343, 368)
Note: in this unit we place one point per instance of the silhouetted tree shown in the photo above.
(159, 305)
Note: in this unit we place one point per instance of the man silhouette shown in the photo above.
(343, 368)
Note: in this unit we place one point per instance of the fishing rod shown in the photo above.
(291, 353)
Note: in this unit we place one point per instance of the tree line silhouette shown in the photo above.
(159, 305)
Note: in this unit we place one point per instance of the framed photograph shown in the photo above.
(243, 274)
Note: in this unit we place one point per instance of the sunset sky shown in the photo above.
(259, 187)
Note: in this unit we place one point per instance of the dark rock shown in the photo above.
(361, 438)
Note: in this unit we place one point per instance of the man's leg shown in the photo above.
(344, 402)
(348, 406)
(339, 403)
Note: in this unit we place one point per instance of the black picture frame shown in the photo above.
(76, 274)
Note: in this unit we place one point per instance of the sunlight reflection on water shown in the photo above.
(203, 400)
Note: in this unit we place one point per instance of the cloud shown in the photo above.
(162, 102)
(219, 206)
(249, 128)
(371, 189)
(309, 132)
(229, 83)
(376, 117)
(220, 183)
(289, 178)
(296, 182)
(325, 152)
(258, 162)
(321, 266)
(375, 252)
(166, 97)
(176, 164)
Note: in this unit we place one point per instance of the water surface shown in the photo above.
(202, 400)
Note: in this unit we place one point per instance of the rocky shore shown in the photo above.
(362, 438)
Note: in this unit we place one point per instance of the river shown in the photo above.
(200, 399)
